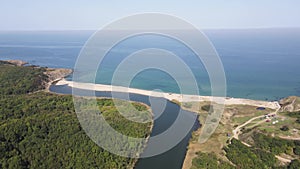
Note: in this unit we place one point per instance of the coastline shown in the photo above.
(168, 96)
(56, 76)
(173, 97)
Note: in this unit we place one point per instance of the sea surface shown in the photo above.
(259, 64)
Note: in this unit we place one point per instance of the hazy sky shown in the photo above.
(93, 14)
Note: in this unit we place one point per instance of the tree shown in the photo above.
(284, 128)
(294, 164)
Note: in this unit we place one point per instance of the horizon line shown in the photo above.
(204, 29)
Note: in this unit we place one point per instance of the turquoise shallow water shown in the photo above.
(259, 64)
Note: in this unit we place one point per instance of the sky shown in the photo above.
(94, 14)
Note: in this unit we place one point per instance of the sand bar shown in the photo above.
(169, 96)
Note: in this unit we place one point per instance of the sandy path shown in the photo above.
(285, 160)
(289, 138)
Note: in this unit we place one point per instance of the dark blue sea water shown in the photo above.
(259, 64)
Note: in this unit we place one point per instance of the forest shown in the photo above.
(261, 155)
(20, 80)
(41, 130)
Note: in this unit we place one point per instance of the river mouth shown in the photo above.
(172, 158)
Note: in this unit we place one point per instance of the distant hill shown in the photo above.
(290, 104)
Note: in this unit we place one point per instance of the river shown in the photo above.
(173, 158)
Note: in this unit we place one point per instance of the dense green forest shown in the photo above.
(20, 80)
(245, 157)
(41, 130)
(261, 155)
(209, 161)
(275, 145)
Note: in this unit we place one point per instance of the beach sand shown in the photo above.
(169, 96)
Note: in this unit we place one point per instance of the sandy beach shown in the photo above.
(169, 96)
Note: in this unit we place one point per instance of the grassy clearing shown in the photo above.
(283, 120)
(246, 112)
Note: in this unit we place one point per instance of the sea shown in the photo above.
(260, 64)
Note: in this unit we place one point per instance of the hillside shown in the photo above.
(261, 141)
(41, 130)
(291, 104)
